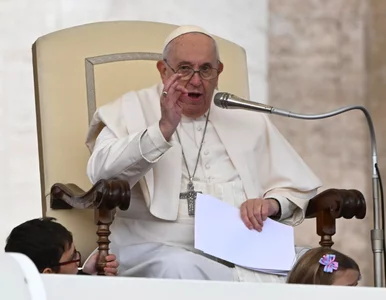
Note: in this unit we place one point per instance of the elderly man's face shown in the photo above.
(196, 51)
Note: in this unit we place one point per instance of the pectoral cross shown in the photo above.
(190, 195)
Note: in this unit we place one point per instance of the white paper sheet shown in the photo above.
(220, 232)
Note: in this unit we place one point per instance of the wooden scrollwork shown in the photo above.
(333, 204)
(104, 197)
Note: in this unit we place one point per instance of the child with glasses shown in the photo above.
(325, 266)
(50, 246)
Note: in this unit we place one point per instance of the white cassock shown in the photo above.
(243, 157)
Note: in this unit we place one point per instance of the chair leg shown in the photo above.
(104, 219)
(325, 228)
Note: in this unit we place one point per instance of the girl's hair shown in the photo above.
(308, 269)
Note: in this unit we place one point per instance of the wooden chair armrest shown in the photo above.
(105, 194)
(333, 204)
(104, 197)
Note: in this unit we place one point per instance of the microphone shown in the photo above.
(230, 101)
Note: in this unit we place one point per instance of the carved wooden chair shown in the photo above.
(80, 68)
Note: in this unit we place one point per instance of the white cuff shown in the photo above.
(286, 206)
(152, 144)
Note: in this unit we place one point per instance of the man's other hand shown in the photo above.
(255, 211)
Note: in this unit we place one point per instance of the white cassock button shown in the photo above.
(207, 166)
(206, 152)
(199, 128)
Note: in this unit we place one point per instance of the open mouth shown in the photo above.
(194, 95)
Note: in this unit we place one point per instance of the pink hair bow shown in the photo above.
(329, 263)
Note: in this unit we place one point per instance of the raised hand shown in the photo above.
(171, 109)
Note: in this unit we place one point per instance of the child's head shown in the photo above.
(325, 266)
(47, 243)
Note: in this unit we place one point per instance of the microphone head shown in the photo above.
(221, 99)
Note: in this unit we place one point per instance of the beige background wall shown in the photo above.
(376, 70)
(376, 75)
(324, 55)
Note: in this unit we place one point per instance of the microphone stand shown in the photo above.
(377, 234)
(229, 101)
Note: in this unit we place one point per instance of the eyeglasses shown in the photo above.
(206, 72)
(76, 258)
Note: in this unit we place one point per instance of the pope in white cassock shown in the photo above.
(169, 139)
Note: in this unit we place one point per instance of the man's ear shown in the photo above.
(47, 271)
(220, 67)
(161, 66)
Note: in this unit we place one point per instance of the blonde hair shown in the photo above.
(308, 270)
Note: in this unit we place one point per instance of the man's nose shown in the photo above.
(196, 79)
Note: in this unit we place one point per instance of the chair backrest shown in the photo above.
(80, 68)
